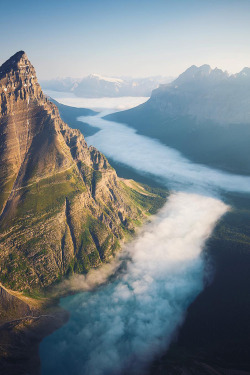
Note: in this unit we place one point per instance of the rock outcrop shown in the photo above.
(11, 306)
(63, 208)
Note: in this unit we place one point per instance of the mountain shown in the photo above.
(60, 84)
(63, 209)
(207, 95)
(204, 113)
(97, 86)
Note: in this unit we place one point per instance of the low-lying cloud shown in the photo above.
(147, 155)
(119, 327)
(91, 280)
(98, 104)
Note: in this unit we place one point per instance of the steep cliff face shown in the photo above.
(204, 114)
(63, 208)
(12, 307)
(206, 94)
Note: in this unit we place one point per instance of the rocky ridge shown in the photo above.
(204, 114)
(63, 208)
(206, 94)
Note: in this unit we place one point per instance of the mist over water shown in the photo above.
(147, 155)
(121, 326)
(98, 104)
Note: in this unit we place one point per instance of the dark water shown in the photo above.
(216, 330)
(102, 337)
(120, 327)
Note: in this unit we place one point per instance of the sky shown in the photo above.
(137, 38)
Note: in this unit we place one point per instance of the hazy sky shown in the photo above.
(126, 37)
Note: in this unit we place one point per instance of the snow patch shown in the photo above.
(108, 79)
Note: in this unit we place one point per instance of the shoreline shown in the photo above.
(25, 321)
(180, 359)
(20, 340)
(184, 355)
(212, 341)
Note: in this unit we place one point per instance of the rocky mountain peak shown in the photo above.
(63, 209)
(18, 81)
(244, 73)
(13, 63)
(200, 74)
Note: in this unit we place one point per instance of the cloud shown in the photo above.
(94, 278)
(120, 326)
(148, 155)
(98, 104)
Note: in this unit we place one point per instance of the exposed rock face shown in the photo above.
(63, 208)
(206, 94)
(12, 306)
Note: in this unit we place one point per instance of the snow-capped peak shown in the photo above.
(108, 79)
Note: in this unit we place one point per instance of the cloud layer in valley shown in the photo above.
(98, 104)
(122, 325)
(123, 144)
(118, 328)
(147, 155)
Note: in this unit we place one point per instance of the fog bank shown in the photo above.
(121, 326)
(148, 155)
(97, 104)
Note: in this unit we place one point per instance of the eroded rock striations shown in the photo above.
(63, 208)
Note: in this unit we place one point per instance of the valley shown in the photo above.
(200, 238)
(204, 114)
(226, 251)
(64, 212)
(125, 187)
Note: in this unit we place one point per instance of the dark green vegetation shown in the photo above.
(146, 197)
(47, 240)
(215, 336)
(63, 208)
(223, 147)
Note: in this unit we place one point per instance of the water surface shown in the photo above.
(121, 326)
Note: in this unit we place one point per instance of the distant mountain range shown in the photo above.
(204, 113)
(206, 94)
(97, 86)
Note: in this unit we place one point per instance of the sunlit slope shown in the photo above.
(63, 209)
